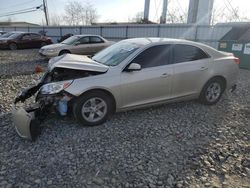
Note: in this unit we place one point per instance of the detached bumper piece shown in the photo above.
(26, 123)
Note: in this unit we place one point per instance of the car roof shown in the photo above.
(142, 42)
(88, 35)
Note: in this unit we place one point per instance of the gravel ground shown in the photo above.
(18, 62)
(176, 145)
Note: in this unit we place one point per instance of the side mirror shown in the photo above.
(133, 67)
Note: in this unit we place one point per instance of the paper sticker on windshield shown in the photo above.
(247, 49)
(237, 47)
(128, 48)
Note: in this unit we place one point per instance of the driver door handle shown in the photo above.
(164, 75)
(203, 68)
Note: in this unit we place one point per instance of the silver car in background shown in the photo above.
(77, 44)
(130, 74)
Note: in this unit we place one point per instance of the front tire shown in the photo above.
(12, 46)
(93, 108)
(212, 91)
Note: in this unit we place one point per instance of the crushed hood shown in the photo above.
(78, 62)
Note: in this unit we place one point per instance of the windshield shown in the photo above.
(6, 35)
(14, 35)
(116, 53)
(70, 40)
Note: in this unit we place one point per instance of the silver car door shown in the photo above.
(150, 84)
(191, 70)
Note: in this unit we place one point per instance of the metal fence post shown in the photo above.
(158, 30)
(196, 32)
(126, 31)
(60, 31)
(80, 30)
(101, 30)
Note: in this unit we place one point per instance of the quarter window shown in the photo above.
(154, 56)
(184, 53)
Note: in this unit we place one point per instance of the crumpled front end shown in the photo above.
(50, 95)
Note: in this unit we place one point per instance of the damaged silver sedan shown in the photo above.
(130, 74)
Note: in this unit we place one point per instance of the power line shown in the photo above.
(32, 9)
(18, 5)
(27, 9)
(18, 13)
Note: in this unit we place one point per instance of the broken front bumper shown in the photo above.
(27, 121)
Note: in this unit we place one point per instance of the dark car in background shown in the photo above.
(19, 40)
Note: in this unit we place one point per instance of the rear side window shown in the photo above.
(35, 36)
(154, 56)
(95, 40)
(184, 53)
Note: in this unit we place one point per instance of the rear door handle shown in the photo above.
(164, 75)
(203, 68)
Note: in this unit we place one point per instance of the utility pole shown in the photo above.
(146, 10)
(45, 9)
(164, 12)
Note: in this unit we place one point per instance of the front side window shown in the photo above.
(95, 39)
(154, 56)
(84, 40)
(70, 40)
(26, 37)
(185, 53)
(35, 36)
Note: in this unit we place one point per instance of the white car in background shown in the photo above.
(77, 44)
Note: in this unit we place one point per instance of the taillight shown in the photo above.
(237, 60)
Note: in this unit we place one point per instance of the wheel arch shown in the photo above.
(64, 50)
(220, 77)
(101, 90)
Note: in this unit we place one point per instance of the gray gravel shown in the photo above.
(16, 62)
(175, 145)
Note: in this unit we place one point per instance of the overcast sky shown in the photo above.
(111, 10)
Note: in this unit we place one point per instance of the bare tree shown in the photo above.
(55, 20)
(138, 18)
(175, 16)
(77, 13)
(227, 14)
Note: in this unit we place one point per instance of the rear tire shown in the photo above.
(93, 108)
(12, 46)
(64, 52)
(212, 91)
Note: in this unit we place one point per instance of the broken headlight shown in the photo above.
(53, 88)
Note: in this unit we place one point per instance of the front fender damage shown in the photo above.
(27, 120)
